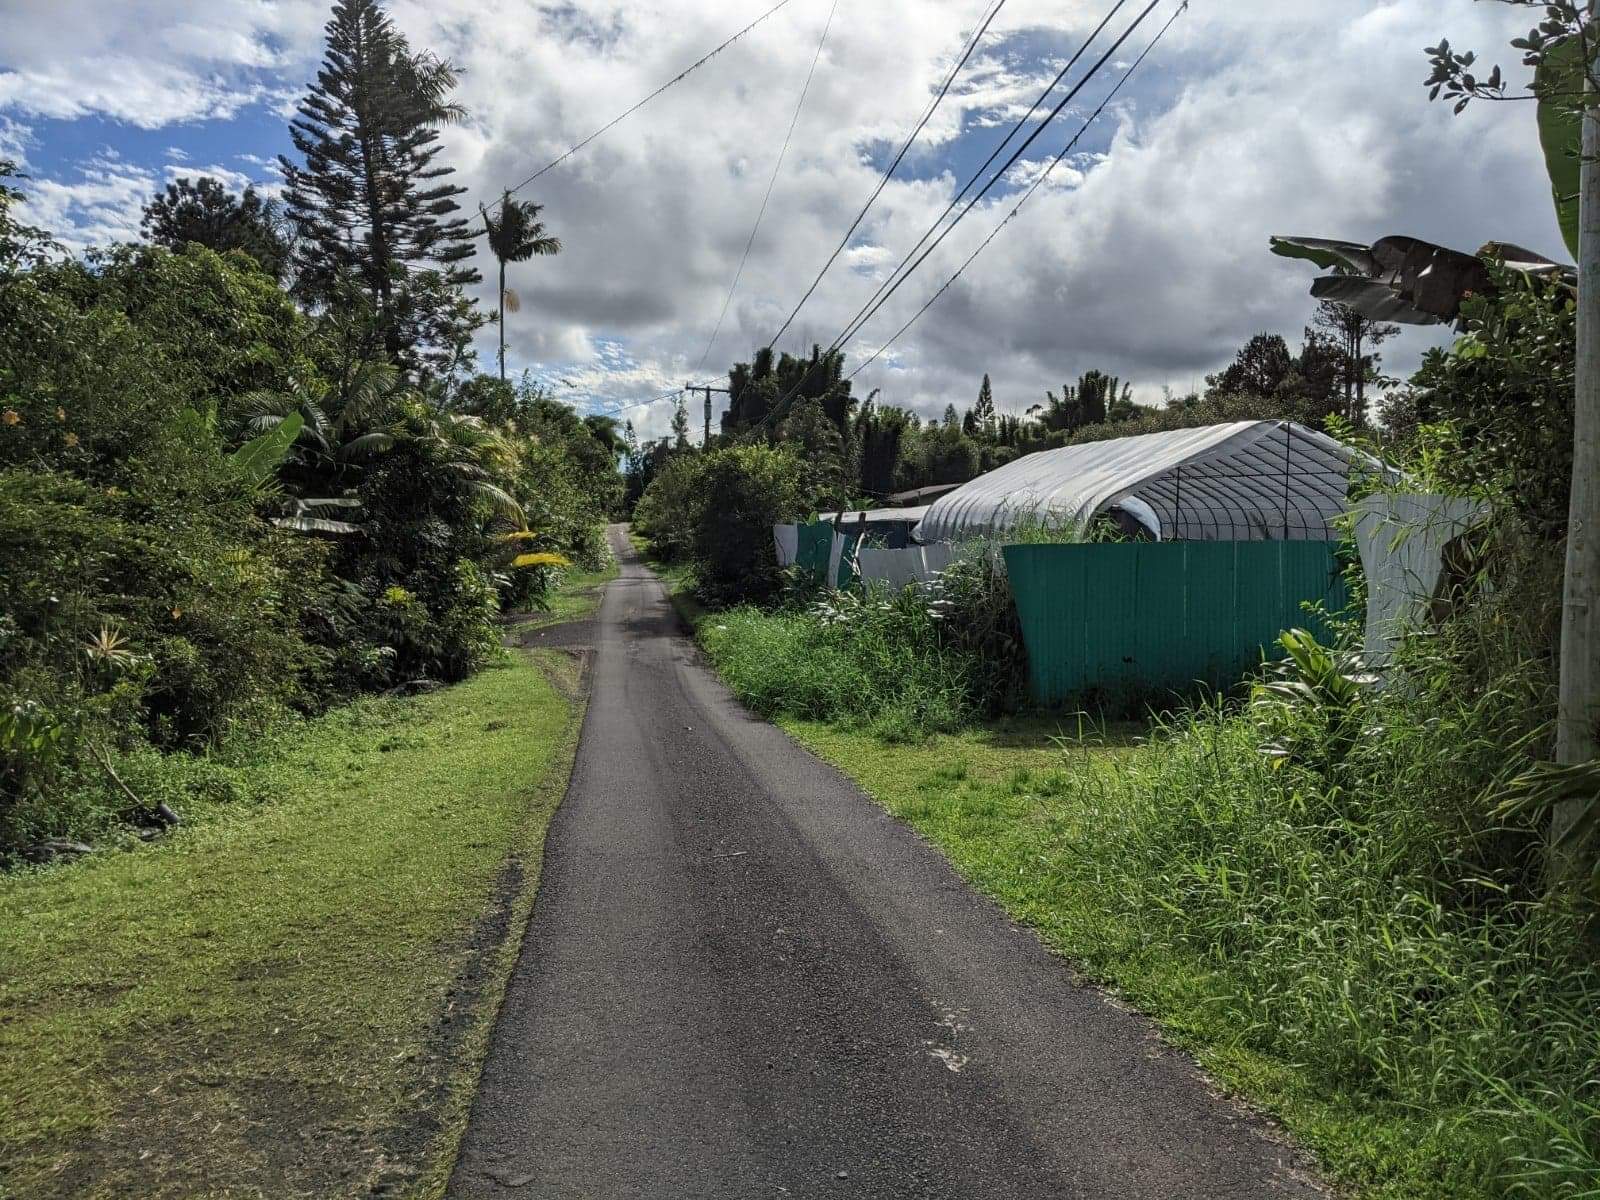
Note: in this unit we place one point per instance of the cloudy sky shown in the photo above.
(1145, 255)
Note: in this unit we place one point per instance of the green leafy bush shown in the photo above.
(745, 491)
(1505, 390)
(873, 659)
(668, 513)
(124, 625)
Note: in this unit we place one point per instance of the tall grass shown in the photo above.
(1337, 856)
(1350, 929)
(873, 658)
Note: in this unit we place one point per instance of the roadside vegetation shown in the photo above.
(574, 598)
(1341, 897)
(272, 792)
(291, 994)
(248, 470)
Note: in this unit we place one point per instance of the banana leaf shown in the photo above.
(257, 459)
(1559, 83)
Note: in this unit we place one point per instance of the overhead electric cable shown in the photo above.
(771, 183)
(882, 296)
(888, 174)
(626, 113)
(1015, 129)
(874, 305)
(1045, 174)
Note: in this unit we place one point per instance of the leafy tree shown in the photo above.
(881, 436)
(226, 327)
(762, 392)
(1506, 388)
(1095, 398)
(827, 477)
(744, 491)
(943, 454)
(608, 433)
(1353, 333)
(370, 201)
(680, 425)
(21, 246)
(204, 211)
(1261, 368)
(515, 235)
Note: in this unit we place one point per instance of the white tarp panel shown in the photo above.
(875, 516)
(1402, 540)
(898, 568)
(1245, 481)
(787, 540)
(835, 554)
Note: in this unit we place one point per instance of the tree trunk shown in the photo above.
(1580, 616)
(1349, 375)
(1359, 417)
(502, 321)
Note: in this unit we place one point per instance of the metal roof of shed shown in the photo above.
(1245, 481)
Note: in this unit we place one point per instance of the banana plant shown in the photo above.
(1309, 701)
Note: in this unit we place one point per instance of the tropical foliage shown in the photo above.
(515, 234)
(225, 502)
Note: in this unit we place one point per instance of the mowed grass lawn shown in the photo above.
(287, 998)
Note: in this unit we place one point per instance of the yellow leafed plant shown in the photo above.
(544, 558)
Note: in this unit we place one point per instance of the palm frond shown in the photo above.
(367, 445)
(498, 498)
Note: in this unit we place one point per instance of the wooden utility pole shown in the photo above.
(1577, 740)
(707, 389)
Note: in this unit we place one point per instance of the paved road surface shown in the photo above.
(743, 979)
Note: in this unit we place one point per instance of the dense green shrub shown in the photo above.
(745, 491)
(668, 513)
(167, 621)
(874, 660)
(428, 508)
(1505, 389)
(717, 511)
(222, 324)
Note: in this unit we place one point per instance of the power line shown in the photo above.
(881, 297)
(617, 120)
(874, 305)
(1045, 174)
(972, 179)
(905, 148)
(771, 183)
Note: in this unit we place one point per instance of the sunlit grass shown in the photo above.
(577, 597)
(289, 996)
(1418, 1053)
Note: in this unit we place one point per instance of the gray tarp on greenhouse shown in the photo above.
(1245, 481)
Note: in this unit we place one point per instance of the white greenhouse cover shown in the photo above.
(1246, 481)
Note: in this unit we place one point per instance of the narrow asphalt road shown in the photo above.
(744, 979)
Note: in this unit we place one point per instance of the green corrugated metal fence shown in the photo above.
(1118, 620)
(813, 546)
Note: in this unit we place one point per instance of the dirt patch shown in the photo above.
(566, 635)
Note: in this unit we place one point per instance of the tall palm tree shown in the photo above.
(515, 235)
